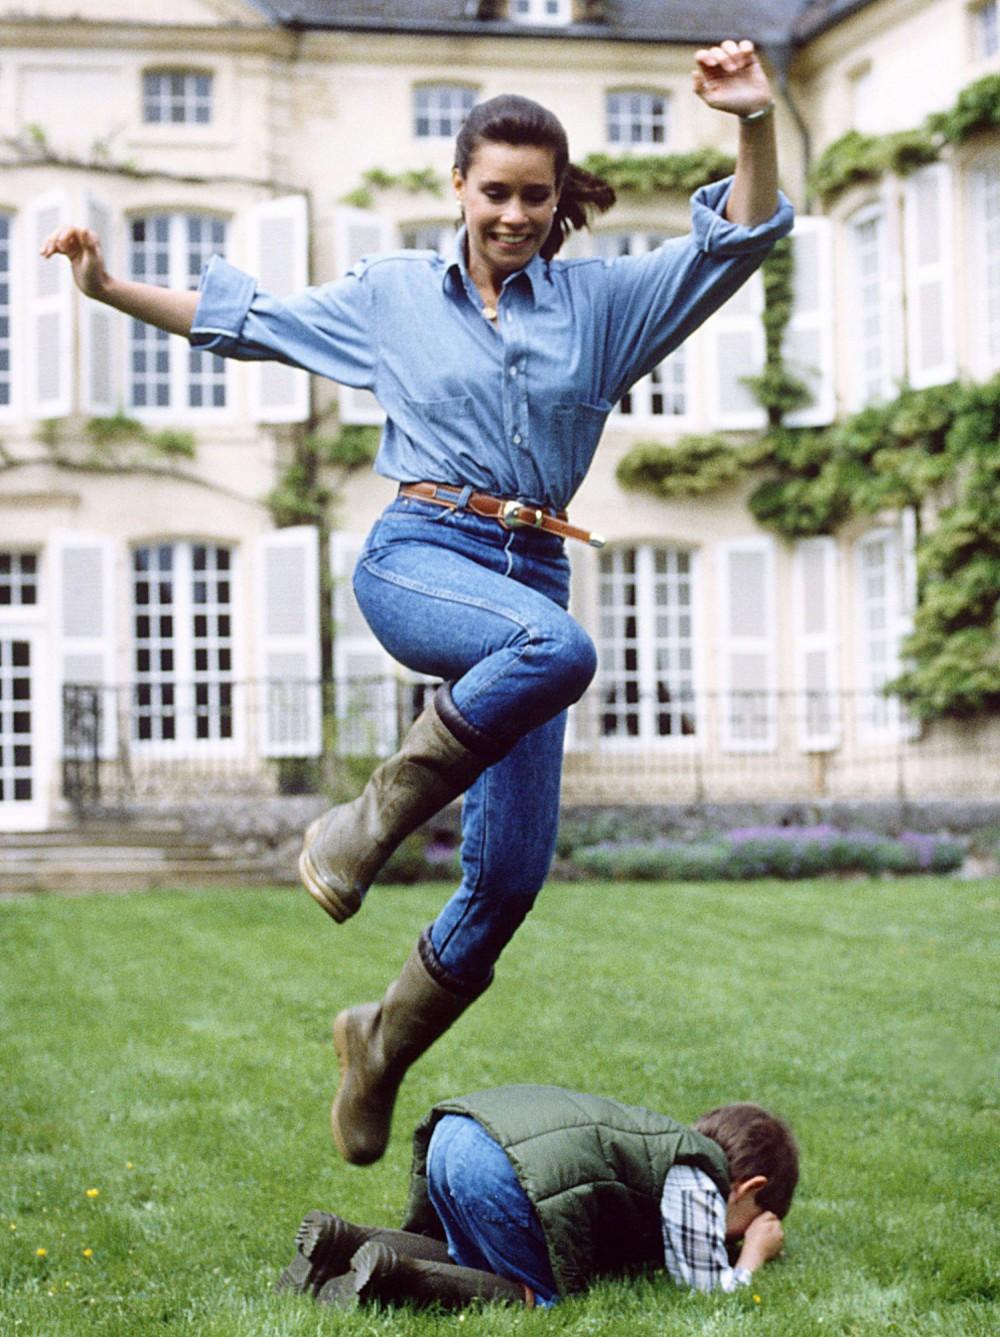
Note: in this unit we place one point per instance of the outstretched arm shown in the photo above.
(730, 78)
(169, 309)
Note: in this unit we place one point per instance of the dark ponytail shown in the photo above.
(510, 119)
(583, 195)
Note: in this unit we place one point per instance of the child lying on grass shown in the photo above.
(528, 1194)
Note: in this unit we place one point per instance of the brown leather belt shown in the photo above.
(511, 514)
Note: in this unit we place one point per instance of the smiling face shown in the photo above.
(508, 196)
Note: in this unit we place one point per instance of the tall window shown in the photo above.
(164, 372)
(646, 675)
(664, 392)
(882, 616)
(985, 248)
(182, 602)
(176, 97)
(18, 579)
(540, 11)
(986, 25)
(5, 342)
(16, 775)
(636, 117)
(869, 307)
(440, 109)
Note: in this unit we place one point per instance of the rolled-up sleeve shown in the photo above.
(326, 330)
(714, 234)
(658, 299)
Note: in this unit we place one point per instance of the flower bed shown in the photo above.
(777, 851)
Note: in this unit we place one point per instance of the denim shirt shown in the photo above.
(515, 406)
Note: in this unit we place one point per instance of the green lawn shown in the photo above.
(167, 1073)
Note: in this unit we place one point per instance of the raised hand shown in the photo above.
(729, 77)
(83, 250)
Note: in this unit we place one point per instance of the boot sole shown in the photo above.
(340, 1049)
(337, 905)
(321, 1254)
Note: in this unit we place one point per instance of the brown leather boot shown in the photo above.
(325, 1245)
(346, 847)
(379, 1273)
(377, 1042)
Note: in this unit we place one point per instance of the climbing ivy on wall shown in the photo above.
(647, 174)
(308, 483)
(855, 158)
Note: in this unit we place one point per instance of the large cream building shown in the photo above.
(138, 552)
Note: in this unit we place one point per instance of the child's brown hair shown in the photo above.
(756, 1143)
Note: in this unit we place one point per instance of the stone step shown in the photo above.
(118, 857)
(96, 834)
(141, 875)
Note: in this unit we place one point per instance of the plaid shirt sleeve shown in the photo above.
(693, 1212)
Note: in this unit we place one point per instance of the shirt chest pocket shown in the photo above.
(574, 431)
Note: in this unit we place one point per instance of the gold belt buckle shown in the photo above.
(511, 518)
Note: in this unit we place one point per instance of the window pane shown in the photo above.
(646, 679)
(440, 109)
(176, 97)
(636, 117)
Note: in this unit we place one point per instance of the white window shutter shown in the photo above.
(278, 257)
(365, 675)
(101, 328)
(83, 575)
(749, 699)
(359, 232)
(50, 313)
(929, 261)
(808, 344)
(584, 601)
(288, 645)
(734, 337)
(816, 643)
(18, 256)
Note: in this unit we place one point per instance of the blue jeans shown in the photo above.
(488, 1219)
(458, 597)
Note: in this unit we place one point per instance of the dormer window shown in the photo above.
(176, 97)
(551, 13)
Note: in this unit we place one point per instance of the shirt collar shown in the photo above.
(456, 274)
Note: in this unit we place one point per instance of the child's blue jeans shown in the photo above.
(456, 596)
(488, 1219)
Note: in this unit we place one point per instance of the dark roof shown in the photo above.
(819, 15)
(775, 23)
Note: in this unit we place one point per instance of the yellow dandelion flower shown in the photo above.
(41, 1253)
(13, 1225)
(88, 1253)
(93, 1192)
(756, 1299)
(129, 1165)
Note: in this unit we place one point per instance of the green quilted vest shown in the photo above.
(593, 1169)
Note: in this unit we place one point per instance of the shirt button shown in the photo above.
(517, 438)
(513, 371)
